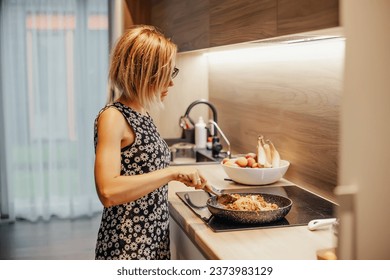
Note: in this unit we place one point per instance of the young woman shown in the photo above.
(132, 161)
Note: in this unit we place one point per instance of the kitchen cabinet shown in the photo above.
(241, 21)
(182, 248)
(200, 24)
(185, 21)
(306, 15)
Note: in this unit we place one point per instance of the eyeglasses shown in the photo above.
(175, 72)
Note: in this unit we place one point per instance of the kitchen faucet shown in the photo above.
(186, 123)
(217, 147)
(185, 119)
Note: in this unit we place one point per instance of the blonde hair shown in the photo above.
(141, 66)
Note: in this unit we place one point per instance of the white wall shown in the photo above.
(191, 84)
(365, 129)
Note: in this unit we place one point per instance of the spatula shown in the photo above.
(222, 198)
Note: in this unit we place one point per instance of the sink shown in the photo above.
(197, 157)
(184, 153)
(172, 141)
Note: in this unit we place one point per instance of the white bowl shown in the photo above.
(256, 176)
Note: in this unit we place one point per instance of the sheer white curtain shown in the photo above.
(54, 59)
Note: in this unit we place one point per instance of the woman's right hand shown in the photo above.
(190, 177)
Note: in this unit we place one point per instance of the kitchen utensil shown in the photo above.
(221, 198)
(252, 217)
(255, 176)
(321, 223)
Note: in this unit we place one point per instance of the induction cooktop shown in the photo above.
(306, 207)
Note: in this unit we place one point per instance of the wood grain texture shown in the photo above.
(208, 23)
(185, 21)
(139, 12)
(306, 15)
(234, 21)
(294, 103)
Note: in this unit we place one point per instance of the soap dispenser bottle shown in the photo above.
(200, 134)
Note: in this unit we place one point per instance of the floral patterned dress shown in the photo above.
(138, 229)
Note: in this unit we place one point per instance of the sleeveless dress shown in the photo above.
(138, 229)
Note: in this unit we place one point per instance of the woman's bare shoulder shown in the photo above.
(111, 118)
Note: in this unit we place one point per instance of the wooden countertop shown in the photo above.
(296, 243)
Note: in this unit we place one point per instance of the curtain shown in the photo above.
(54, 59)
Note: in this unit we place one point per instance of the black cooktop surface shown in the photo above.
(306, 207)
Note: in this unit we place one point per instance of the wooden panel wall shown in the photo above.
(292, 98)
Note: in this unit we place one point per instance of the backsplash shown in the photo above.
(290, 93)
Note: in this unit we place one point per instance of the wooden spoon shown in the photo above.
(222, 198)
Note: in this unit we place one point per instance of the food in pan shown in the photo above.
(250, 203)
(282, 204)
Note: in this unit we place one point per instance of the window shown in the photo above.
(54, 60)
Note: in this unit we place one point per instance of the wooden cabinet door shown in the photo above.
(306, 15)
(199, 24)
(234, 21)
(208, 23)
(185, 21)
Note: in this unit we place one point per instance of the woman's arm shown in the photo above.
(114, 189)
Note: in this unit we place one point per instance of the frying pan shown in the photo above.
(252, 217)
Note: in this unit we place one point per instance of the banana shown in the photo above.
(275, 154)
(261, 157)
(261, 153)
(268, 155)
